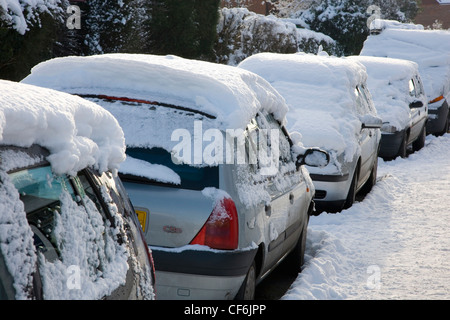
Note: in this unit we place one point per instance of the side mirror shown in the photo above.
(313, 157)
(371, 122)
(416, 104)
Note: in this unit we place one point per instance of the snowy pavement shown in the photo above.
(394, 244)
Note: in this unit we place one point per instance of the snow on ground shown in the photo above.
(392, 245)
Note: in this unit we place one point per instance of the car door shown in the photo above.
(284, 215)
(417, 113)
(368, 139)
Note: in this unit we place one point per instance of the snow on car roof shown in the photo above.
(429, 48)
(78, 133)
(388, 82)
(231, 95)
(319, 91)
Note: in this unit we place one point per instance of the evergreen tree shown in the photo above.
(346, 20)
(29, 36)
(186, 28)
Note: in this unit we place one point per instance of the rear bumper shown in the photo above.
(437, 116)
(200, 274)
(390, 144)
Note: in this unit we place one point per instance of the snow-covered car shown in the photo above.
(430, 49)
(400, 101)
(219, 185)
(331, 108)
(67, 228)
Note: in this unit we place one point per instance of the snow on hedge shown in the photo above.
(388, 82)
(20, 14)
(429, 48)
(243, 33)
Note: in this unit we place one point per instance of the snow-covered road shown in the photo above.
(395, 244)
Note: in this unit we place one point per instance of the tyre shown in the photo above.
(373, 177)
(352, 191)
(402, 152)
(247, 289)
(420, 142)
(297, 256)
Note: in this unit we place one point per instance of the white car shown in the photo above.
(219, 185)
(400, 100)
(430, 49)
(67, 227)
(331, 107)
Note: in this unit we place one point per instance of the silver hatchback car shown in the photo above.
(331, 107)
(218, 184)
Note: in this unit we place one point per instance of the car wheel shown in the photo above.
(373, 177)
(352, 191)
(420, 142)
(402, 152)
(247, 289)
(297, 256)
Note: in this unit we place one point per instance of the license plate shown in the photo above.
(142, 217)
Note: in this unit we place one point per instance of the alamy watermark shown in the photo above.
(375, 12)
(374, 279)
(234, 146)
(73, 274)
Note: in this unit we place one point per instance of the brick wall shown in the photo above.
(431, 11)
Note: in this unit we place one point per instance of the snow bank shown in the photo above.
(429, 48)
(77, 132)
(388, 82)
(319, 91)
(231, 95)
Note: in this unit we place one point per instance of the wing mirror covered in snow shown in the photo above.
(371, 122)
(313, 157)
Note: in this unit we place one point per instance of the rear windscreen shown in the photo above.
(192, 177)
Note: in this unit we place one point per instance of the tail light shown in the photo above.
(221, 230)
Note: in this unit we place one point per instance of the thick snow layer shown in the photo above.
(319, 91)
(429, 48)
(391, 245)
(232, 95)
(388, 82)
(77, 132)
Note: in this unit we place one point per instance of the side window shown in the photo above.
(364, 103)
(276, 142)
(412, 88)
(40, 192)
(86, 189)
(419, 87)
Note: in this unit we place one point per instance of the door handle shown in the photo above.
(268, 209)
(291, 198)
